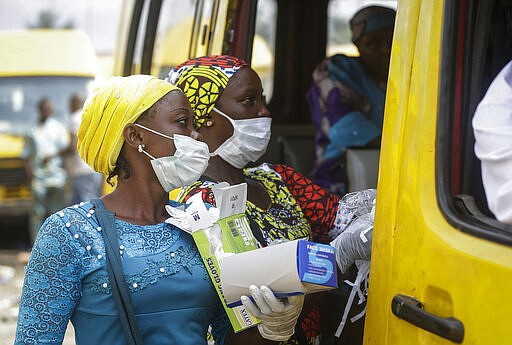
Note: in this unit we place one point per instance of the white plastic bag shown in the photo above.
(353, 230)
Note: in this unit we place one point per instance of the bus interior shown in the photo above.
(284, 41)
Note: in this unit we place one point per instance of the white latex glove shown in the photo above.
(278, 316)
(355, 243)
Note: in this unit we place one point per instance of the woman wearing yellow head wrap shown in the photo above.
(120, 102)
(139, 129)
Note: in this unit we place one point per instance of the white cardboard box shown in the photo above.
(289, 268)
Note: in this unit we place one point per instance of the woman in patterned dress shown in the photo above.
(227, 99)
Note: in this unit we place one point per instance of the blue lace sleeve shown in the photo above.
(52, 285)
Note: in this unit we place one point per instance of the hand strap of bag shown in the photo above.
(116, 275)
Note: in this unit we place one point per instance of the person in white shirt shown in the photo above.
(43, 152)
(492, 126)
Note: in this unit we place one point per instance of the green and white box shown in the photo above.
(218, 232)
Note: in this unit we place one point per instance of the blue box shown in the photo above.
(316, 265)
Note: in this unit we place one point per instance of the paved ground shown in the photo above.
(10, 290)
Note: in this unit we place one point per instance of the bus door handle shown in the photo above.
(411, 310)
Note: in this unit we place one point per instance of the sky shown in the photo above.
(98, 18)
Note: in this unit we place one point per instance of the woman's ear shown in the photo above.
(132, 136)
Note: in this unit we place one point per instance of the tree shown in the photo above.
(48, 19)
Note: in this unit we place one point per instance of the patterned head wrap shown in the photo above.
(369, 19)
(108, 110)
(203, 79)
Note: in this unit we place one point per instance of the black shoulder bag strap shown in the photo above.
(115, 274)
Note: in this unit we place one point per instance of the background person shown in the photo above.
(226, 96)
(347, 97)
(126, 124)
(492, 126)
(43, 150)
(85, 183)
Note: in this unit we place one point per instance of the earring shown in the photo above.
(141, 148)
(209, 123)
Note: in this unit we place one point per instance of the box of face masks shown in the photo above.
(219, 232)
(289, 268)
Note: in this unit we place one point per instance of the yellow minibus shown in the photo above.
(34, 64)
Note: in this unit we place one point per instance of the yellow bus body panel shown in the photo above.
(46, 52)
(416, 252)
(10, 146)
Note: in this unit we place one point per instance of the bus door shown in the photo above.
(441, 270)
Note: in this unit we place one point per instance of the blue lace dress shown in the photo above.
(66, 279)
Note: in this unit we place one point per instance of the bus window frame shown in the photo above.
(150, 36)
(478, 225)
(245, 26)
(196, 28)
(132, 37)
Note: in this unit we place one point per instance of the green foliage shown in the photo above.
(48, 19)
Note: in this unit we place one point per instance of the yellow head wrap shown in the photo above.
(108, 110)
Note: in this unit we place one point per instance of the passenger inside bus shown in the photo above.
(347, 97)
(227, 99)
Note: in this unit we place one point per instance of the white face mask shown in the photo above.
(248, 143)
(186, 165)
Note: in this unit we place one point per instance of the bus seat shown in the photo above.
(362, 167)
(298, 152)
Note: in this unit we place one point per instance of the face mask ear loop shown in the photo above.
(214, 153)
(153, 131)
(224, 114)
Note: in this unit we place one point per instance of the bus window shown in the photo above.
(477, 53)
(173, 34)
(162, 34)
(263, 50)
(339, 13)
